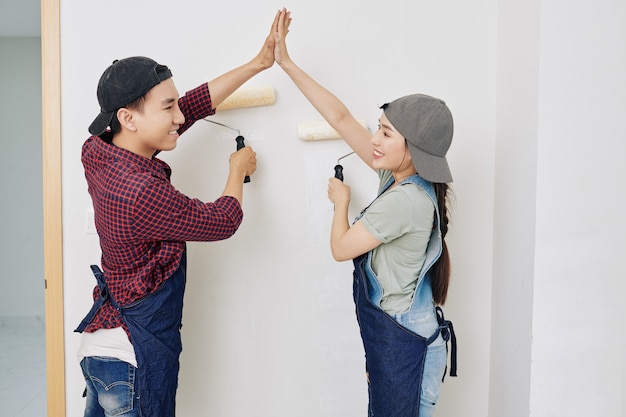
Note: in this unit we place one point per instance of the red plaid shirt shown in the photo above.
(143, 222)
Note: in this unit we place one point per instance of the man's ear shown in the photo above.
(126, 119)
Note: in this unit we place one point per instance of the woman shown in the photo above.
(397, 243)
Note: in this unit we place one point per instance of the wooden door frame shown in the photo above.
(52, 205)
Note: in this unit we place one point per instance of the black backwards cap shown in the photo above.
(123, 82)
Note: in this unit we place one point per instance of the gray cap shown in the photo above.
(427, 125)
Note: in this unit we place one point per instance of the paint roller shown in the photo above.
(248, 97)
(239, 139)
(245, 97)
(321, 130)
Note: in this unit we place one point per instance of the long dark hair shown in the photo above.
(440, 271)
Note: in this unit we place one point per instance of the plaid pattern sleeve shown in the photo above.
(195, 105)
(163, 213)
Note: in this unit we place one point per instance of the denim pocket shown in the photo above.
(422, 321)
(113, 381)
(434, 368)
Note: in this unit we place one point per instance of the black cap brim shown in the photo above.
(100, 124)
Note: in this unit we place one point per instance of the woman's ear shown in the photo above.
(126, 119)
(407, 151)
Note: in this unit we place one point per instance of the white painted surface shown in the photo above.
(578, 362)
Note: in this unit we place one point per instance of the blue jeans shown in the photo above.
(434, 369)
(110, 387)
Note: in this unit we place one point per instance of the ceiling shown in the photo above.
(20, 18)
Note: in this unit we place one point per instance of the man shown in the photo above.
(131, 342)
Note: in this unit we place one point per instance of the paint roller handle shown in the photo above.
(339, 172)
(240, 145)
(339, 168)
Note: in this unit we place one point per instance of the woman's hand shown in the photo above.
(338, 192)
(282, 29)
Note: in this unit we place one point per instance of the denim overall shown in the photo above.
(154, 322)
(394, 353)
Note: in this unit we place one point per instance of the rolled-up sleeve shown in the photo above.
(163, 213)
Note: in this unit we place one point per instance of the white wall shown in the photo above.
(558, 311)
(269, 323)
(21, 220)
(537, 234)
(578, 362)
(514, 214)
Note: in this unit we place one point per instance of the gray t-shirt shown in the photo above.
(402, 219)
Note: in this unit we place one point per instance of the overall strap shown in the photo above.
(447, 332)
(435, 245)
(103, 297)
(97, 272)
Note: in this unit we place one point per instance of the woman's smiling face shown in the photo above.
(390, 148)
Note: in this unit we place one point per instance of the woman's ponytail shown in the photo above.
(440, 271)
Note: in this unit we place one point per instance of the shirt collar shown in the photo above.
(111, 151)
